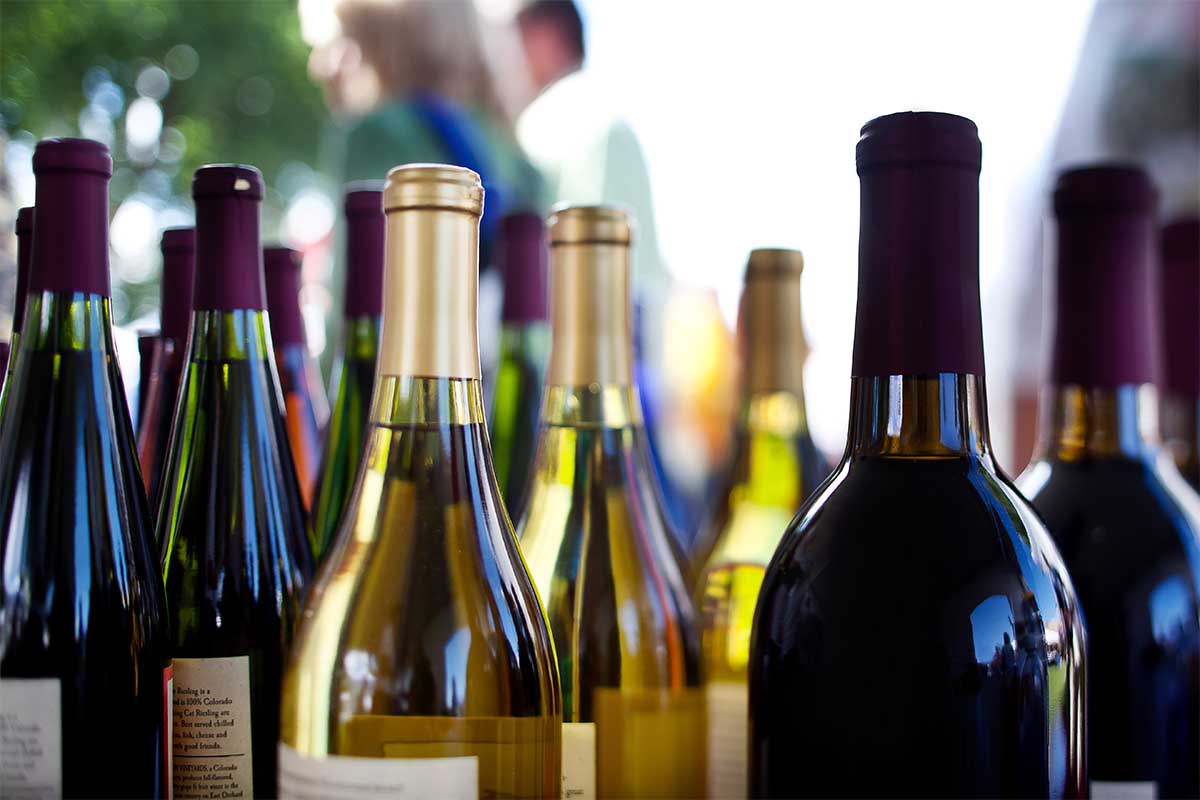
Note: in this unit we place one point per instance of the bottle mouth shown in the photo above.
(433, 186)
(72, 155)
(227, 180)
(280, 259)
(1105, 187)
(178, 240)
(25, 220)
(363, 198)
(766, 262)
(590, 225)
(919, 137)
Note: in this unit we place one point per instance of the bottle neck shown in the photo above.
(1098, 422)
(775, 413)
(236, 335)
(360, 338)
(431, 277)
(60, 322)
(591, 406)
(1180, 422)
(229, 265)
(24, 254)
(405, 401)
(176, 295)
(590, 312)
(918, 416)
(364, 265)
(70, 234)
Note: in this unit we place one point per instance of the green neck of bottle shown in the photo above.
(360, 338)
(919, 417)
(592, 406)
(404, 401)
(767, 463)
(1081, 422)
(239, 335)
(62, 322)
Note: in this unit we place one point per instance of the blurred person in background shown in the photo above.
(413, 81)
(574, 132)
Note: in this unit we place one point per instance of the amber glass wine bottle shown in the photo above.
(424, 667)
(916, 632)
(84, 651)
(167, 352)
(230, 523)
(305, 408)
(1125, 521)
(775, 468)
(524, 341)
(1180, 384)
(354, 367)
(594, 534)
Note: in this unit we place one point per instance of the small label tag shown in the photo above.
(578, 760)
(1124, 790)
(303, 777)
(728, 737)
(210, 737)
(30, 738)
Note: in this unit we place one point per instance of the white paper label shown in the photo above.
(1124, 790)
(349, 778)
(30, 738)
(210, 736)
(728, 737)
(579, 760)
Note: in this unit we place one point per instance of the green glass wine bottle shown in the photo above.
(524, 344)
(84, 651)
(354, 368)
(230, 525)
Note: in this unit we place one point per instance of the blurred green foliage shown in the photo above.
(238, 89)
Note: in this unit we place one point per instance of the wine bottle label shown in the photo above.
(30, 738)
(211, 728)
(1124, 790)
(168, 789)
(728, 738)
(578, 760)
(303, 777)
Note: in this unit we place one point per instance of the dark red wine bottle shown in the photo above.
(354, 367)
(305, 408)
(147, 339)
(1180, 385)
(84, 653)
(916, 633)
(230, 523)
(24, 231)
(1125, 521)
(167, 354)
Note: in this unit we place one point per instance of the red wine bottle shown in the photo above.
(84, 650)
(1180, 396)
(147, 340)
(168, 349)
(354, 367)
(230, 524)
(1123, 518)
(524, 348)
(916, 633)
(24, 231)
(305, 408)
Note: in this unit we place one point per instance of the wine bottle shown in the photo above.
(147, 339)
(305, 408)
(423, 666)
(24, 231)
(1127, 525)
(354, 367)
(916, 632)
(524, 342)
(85, 666)
(167, 354)
(596, 541)
(230, 523)
(4, 351)
(775, 468)
(1180, 400)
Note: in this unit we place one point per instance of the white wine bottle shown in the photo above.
(424, 665)
(594, 533)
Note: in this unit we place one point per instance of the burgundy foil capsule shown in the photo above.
(1181, 307)
(178, 281)
(918, 253)
(1105, 297)
(24, 256)
(522, 259)
(365, 226)
(229, 269)
(70, 232)
(282, 265)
